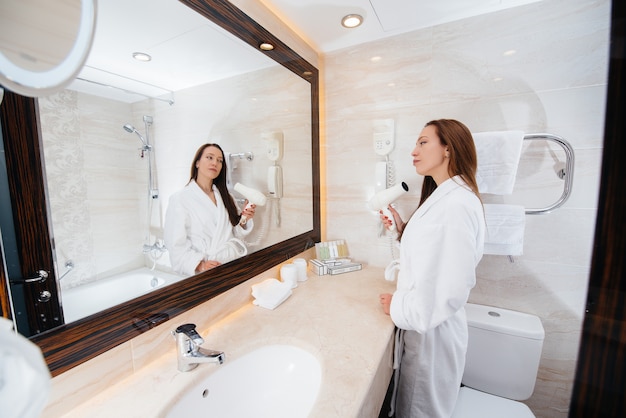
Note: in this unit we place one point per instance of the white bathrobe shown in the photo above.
(197, 229)
(441, 245)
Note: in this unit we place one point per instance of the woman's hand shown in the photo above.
(207, 265)
(248, 212)
(385, 301)
(396, 218)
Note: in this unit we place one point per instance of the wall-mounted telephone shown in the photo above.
(275, 181)
(380, 175)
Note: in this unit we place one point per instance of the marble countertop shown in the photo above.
(336, 318)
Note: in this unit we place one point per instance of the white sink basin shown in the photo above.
(271, 381)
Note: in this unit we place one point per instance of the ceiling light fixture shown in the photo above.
(142, 56)
(351, 21)
(266, 46)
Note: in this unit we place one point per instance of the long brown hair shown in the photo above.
(462, 154)
(219, 181)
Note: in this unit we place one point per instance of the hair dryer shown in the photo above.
(382, 199)
(254, 196)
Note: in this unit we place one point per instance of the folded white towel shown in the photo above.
(24, 377)
(270, 293)
(505, 229)
(498, 157)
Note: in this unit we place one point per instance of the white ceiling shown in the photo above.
(319, 21)
(186, 49)
(177, 38)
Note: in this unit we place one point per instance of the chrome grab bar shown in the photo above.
(40, 277)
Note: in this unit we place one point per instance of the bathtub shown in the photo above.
(81, 301)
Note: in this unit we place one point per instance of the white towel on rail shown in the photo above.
(505, 229)
(498, 157)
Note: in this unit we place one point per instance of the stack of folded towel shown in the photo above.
(270, 293)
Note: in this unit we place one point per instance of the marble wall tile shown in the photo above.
(67, 185)
(92, 183)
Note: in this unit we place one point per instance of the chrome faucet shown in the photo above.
(189, 352)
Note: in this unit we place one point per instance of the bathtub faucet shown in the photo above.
(189, 352)
(157, 246)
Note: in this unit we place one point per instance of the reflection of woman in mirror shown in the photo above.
(203, 223)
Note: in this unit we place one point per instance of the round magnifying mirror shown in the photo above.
(44, 44)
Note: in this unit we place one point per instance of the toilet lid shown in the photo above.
(475, 404)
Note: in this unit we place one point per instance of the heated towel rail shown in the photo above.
(567, 172)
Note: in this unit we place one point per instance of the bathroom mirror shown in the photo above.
(119, 142)
(70, 344)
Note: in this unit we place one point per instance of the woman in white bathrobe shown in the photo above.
(203, 226)
(440, 247)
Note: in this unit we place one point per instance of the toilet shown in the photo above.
(503, 353)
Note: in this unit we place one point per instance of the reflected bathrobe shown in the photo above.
(197, 229)
(440, 247)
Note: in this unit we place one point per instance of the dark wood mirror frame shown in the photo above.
(69, 345)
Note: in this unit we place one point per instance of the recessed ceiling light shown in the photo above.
(142, 56)
(266, 46)
(351, 21)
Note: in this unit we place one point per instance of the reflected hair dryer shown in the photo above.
(382, 199)
(254, 196)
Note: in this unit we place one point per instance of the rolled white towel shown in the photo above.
(270, 293)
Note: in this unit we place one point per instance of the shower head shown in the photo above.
(130, 129)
